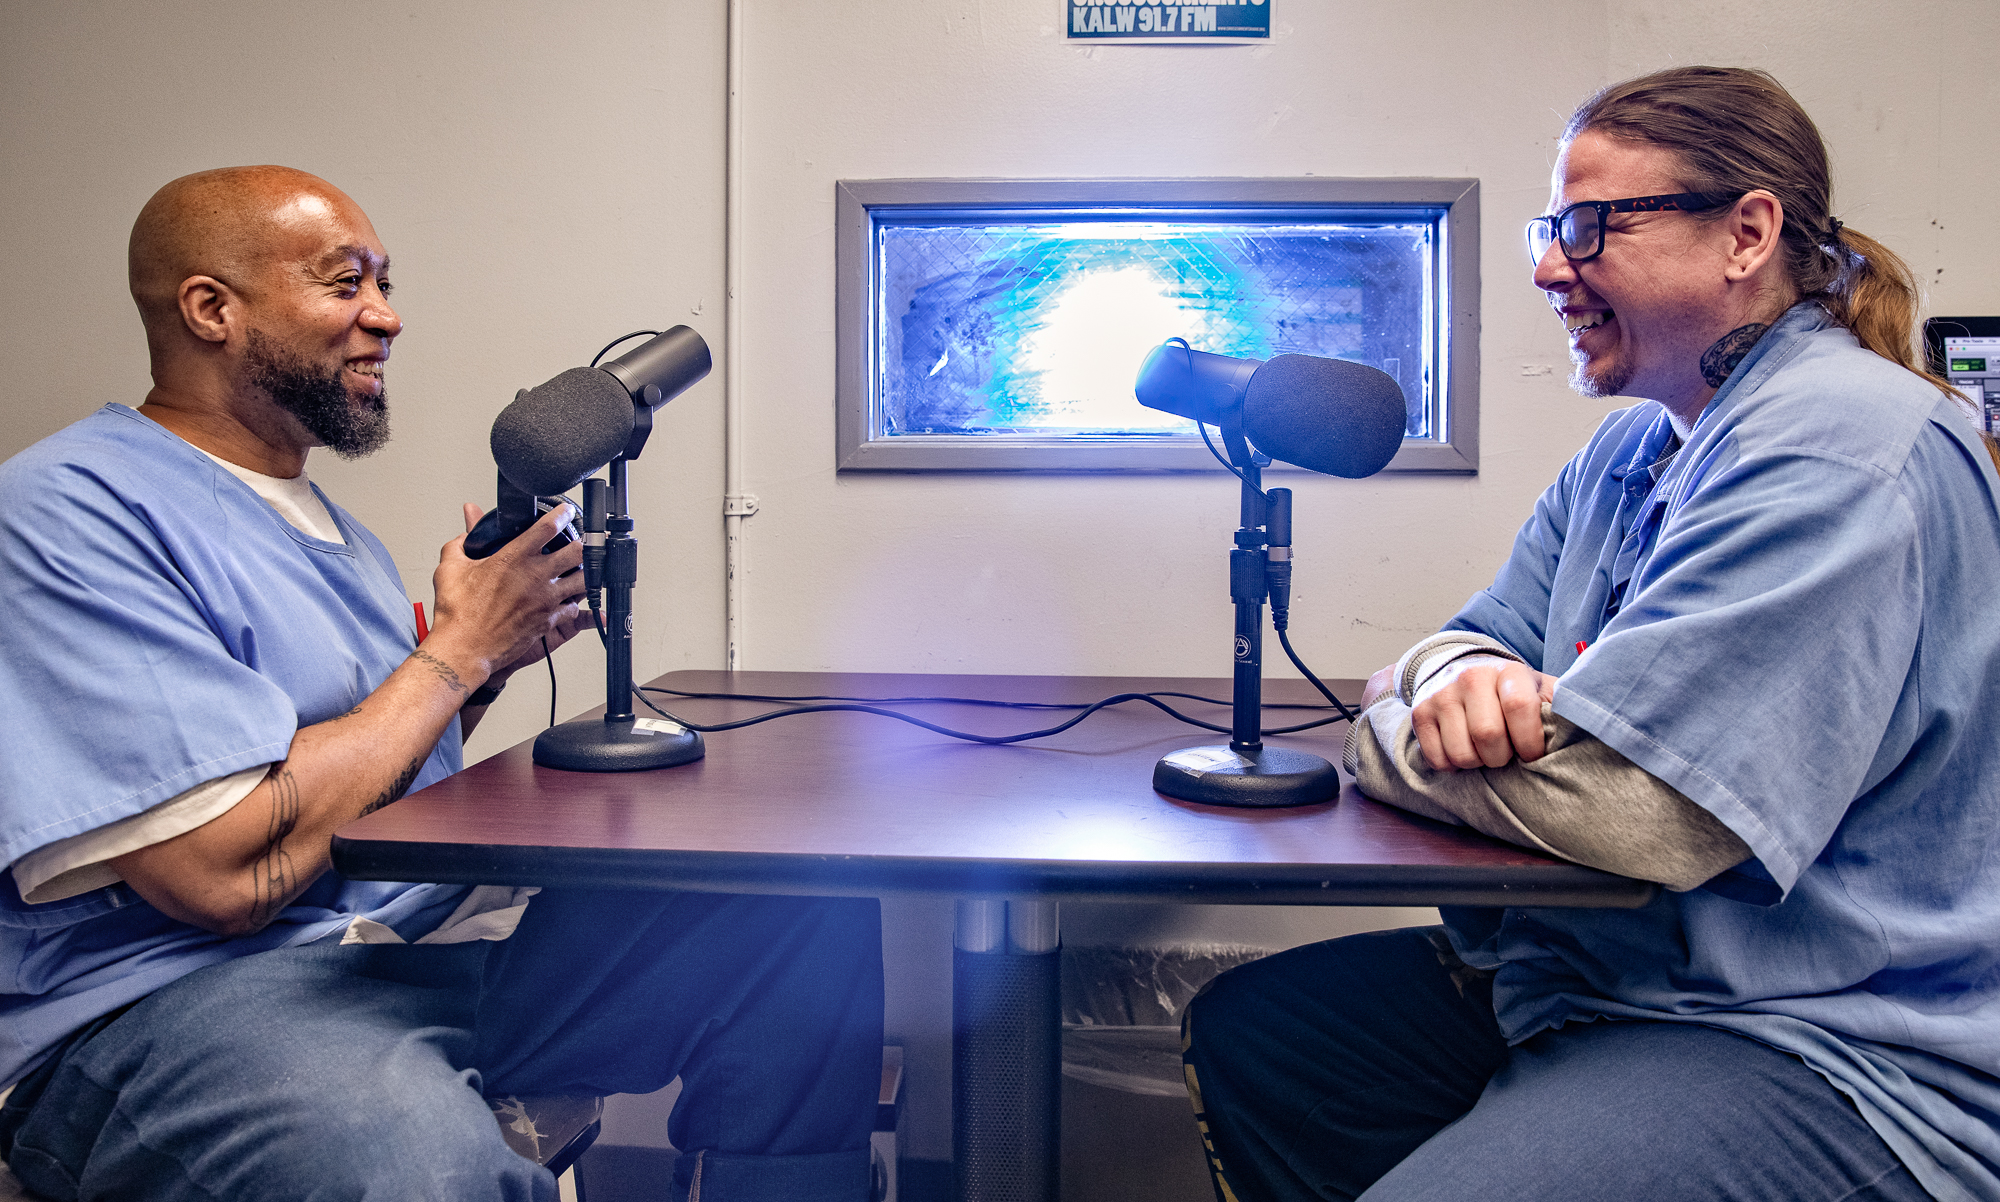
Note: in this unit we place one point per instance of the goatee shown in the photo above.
(1600, 383)
(348, 425)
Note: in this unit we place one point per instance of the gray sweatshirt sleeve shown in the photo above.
(1581, 800)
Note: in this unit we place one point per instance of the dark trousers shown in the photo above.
(1372, 1067)
(340, 1073)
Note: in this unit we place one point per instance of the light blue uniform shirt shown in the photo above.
(166, 627)
(1798, 627)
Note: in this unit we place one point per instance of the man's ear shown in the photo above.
(208, 307)
(1756, 227)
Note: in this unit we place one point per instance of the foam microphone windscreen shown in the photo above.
(1327, 415)
(555, 435)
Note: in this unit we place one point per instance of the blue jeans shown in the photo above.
(326, 1072)
(1367, 1067)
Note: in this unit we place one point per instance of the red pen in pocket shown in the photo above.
(424, 630)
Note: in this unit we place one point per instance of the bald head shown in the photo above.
(265, 295)
(230, 223)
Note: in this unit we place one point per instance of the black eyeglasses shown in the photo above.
(1580, 227)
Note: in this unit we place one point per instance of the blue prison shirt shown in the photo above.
(1797, 625)
(166, 627)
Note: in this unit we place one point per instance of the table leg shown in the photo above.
(1006, 1051)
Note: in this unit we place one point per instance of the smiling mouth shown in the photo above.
(1577, 323)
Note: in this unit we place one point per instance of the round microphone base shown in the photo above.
(1260, 778)
(592, 744)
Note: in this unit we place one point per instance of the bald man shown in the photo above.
(211, 667)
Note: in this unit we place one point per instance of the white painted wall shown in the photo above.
(548, 176)
(1126, 574)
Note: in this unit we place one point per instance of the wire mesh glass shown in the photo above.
(1038, 327)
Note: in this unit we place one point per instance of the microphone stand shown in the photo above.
(1247, 773)
(619, 741)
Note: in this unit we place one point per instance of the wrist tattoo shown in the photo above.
(1721, 359)
(442, 670)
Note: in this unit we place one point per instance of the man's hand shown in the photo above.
(564, 624)
(570, 619)
(1482, 711)
(493, 613)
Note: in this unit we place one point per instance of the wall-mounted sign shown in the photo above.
(1144, 21)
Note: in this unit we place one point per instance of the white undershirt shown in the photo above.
(81, 863)
(294, 499)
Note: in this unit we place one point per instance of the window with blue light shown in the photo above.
(999, 325)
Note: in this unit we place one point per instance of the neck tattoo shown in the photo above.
(1721, 359)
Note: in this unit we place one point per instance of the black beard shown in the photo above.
(350, 426)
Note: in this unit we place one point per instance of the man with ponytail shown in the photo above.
(1747, 647)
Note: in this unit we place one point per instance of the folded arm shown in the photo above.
(1436, 724)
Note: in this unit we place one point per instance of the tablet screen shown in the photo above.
(1966, 351)
(1973, 366)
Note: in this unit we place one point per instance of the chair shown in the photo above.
(551, 1130)
(615, 1171)
(882, 1143)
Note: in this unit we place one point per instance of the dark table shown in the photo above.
(857, 804)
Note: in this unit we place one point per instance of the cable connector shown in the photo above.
(594, 518)
(1278, 573)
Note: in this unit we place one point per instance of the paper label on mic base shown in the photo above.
(658, 726)
(1197, 761)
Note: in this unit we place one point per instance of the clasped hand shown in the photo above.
(1480, 711)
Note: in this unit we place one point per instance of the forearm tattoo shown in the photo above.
(397, 787)
(272, 877)
(1721, 359)
(442, 670)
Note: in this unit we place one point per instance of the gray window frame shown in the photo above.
(860, 446)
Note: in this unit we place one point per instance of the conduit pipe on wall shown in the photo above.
(737, 505)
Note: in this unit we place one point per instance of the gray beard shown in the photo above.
(350, 426)
(1600, 385)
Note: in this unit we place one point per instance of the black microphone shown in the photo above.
(1325, 415)
(1205, 387)
(554, 435)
